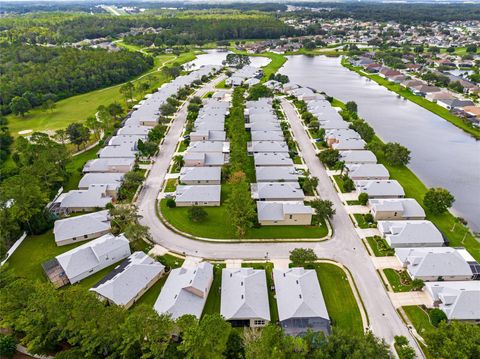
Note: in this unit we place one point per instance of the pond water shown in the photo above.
(442, 154)
(216, 57)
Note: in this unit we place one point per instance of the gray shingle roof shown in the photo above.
(198, 193)
(79, 226)
(411, 233)
(278, 211)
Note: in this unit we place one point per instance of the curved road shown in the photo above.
(344, 247)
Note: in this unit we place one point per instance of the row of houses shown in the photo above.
(248, 75)
(244, 298)
(279, 197)
(208, 151)
(451, 273)
(103, 176)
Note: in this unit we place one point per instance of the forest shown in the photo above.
(34, 75)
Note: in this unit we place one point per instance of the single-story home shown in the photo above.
(207, 135)
(93, 198)
(423, 90)
(333, 124)
(458, 300)
(367, 171)
(357, 157)
(244, 297)
(89, 258)
(396, 209)
(113, 181)
(200, 175)
(114, 165)
(420, 233)
(284, 213)
(436, 263)
(272, 159)
(118, 151)
(277, 191)
(267, 146)
(300, 302)
(201, 125)
(263, 126)
(199, 159)
(267, 136)
(380, 188)
(262, 116)
(442, 95)
(185, 291)
(81, 228)
(134, 130)
(209, 147)
(335, 135)
(276, 174)
(125, 284)
(198, 195)
(349, 144)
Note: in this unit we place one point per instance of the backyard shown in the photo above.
(400, 281)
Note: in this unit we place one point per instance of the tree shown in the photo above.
(197, 214)
(178, 162)
(351, 106)
(94, 125)
(240, 205)
(19, 106)
(171, 203)
(167, 109)
(455, 340)
(61, 136)
(417, 284)
(309, 184)
(396, 154)
(323, 209)
(105, 118)
(365, 131)
(78, 134)
(403, 348)
(258, 91)
(438, 200)
(471, 49)
(115, 110)
(127, 91)
(451, 50)
(235, 347)
(348, 185)
(437, 316)
(8, 346)
(329, 157)
(363, 198)
(300, 257)
(48, 105)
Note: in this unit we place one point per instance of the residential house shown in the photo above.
(125, 284)
(93, 198)
(267, 136)
(277, 191)
(198, 159)
(267, 146)
(357, 157)
(367, 171)
(276, 174)
(207, 135)
(284, 213)
(200, 175)
(408, 234)
(209, 147)
(453, 104)
(272, 159)
(396, 209)
(244, 297)
(380, 188)
(113, 165)
(300, 302)
(349, 144)
(185, 291)
(112, 181)
(441, 95)
(197, 195)
(81, 228)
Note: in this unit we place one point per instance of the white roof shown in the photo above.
(267, 146)
(343, 133)
(298, 294)
(267, 136)
(411, 232)
(358, 157)
(272, 173)
(112, 180)
(371, 170)
(107, 164)
(349, 144)
(198, 193)
(244, 294)
(209, 146)
(129, 278)
(459, 300)
(210, 135)
(264, 126)
(89, 255)
(79, 226)
(409, 207)
(200, 174)
(375, 188)
(278, 210)
(185, 291)
(117, 151)
(94, 196)
(434, 261)
(272, 159)
(277, 190)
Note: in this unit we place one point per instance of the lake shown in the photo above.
(442, 154)
(216, 57)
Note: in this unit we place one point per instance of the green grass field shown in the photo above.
(400, 282)
(339, 299)
(78, 108)
(218, 225)
(150, 297)
(360, 218)
(380, 247)
(75, 166)
(212, 305)
(171, 185)
(431, 106)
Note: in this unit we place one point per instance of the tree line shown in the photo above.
(38, 75)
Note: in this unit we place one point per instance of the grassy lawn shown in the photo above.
(171, 185)
(380, 247)
(419, 318)
(339, 181)
(150, 297)
(421, 101)
(212, 305)
(89, 282)
(354, 203)
(182, 147)
(218, 225)
(272, 302)
(362, 223)
(221, 85)
(339, 299)
(399, 281)
(78, 108)
(75, 166)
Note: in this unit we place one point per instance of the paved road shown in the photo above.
(345, 246)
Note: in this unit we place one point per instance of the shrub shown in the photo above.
(437, 316)
(8, 346)
(171, 203)
(348, 184)
(197, 214)
(368, 218)
(363, 198)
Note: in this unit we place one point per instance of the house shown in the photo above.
(423, 90)
(284, 213)
(125, 284)
(437, 263)
(267, 146)
(262, 116)
(200, 175)
(134, 130)
(185, 291)
(113, 165)
(357, 157)
(277, 191)
(452, 104)
(207, 135)
(276, 174)
(349, 144)
(412, 83)
(272, 159)
(396, 208)
(333, 124)
(380, 188)
(197, 195)
(458, 300)
(263, 126)
(81, 228)
(441, 95)
(82, 200)
(112, 181)
(300, 302)
(335, 135)
(198, 159)
(367, 171)
(244, 297)
(420, 233)
(209, 147)
(89, 258)
(267, 136)
(118, 151)
(472, 111)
